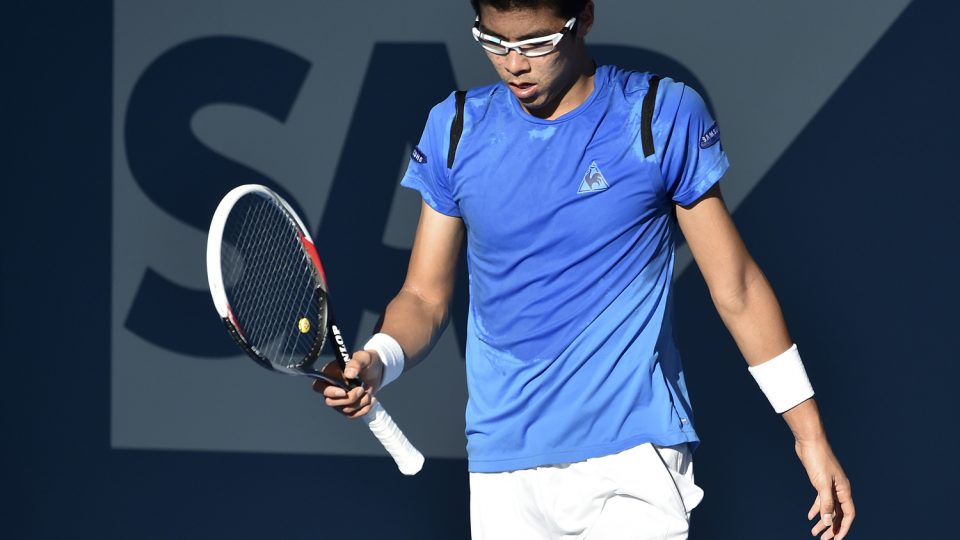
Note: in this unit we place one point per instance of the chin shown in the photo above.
(538, 105)
(538, 101)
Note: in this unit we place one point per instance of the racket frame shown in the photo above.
(408, 459)
(222, 304)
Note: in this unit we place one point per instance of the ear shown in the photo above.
(585, 20)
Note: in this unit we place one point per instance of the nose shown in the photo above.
(516, 63)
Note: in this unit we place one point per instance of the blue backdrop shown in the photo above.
(852, 226)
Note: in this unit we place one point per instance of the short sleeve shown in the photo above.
(687, 139)
(427, 170)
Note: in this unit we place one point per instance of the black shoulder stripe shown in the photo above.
(646, 116)
(456, 129)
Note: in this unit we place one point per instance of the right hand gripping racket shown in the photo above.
(270, 289)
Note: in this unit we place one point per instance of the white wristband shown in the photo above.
(783, 380)
(390, 354)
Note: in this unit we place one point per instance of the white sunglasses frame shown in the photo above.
(553, 39)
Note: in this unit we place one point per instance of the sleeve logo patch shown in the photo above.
(418, 155)
(711, 137)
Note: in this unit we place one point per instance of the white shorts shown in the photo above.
(644, 493)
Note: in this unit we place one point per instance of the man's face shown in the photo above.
(539, 83)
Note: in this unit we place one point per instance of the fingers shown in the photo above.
(320, 386)
(338, 397)
(813, 509)
(355, 402)
(352, 404)
(361, 406)
(845, 524)
(353, 369)
(833, 506)
(847, 509)
(836, 511)
(367, 366)
(822, 525)
(826, 504)
(358, 364)
(824, 507)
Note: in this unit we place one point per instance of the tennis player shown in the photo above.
(566, 180)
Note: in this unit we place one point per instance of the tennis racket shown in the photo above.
(269, 287)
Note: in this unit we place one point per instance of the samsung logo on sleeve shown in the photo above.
(711, 137)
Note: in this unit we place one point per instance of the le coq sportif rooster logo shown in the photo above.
(593, 181)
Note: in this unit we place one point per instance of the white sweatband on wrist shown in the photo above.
(390, 354)
(783, 380)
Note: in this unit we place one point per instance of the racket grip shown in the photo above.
(409, 459)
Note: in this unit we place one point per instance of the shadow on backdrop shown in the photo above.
(850, 227)
(639, 59)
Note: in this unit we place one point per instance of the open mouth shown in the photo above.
(523, 90)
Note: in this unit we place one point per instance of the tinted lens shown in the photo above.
(493, 47)
(529, 50)
(538, 50)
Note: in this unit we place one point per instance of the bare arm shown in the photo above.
(415, 317)
(749, 309)
(418, 314)
(741, 293)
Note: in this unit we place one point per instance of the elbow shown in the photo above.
(434, 307)
(732, 296)
(729, 302)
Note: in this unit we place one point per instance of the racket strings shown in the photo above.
(269, 299)
(290, 256)
(276, 255)
(272, 281)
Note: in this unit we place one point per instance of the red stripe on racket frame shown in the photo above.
(235, 323)
(312, 251)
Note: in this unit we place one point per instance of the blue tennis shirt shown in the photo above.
(570, 247)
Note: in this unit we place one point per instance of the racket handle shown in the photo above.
(409, 459)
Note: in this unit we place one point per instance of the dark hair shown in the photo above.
(564, 8)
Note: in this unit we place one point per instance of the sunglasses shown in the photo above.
(537, 46)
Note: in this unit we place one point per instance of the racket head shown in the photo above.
(268, 284)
